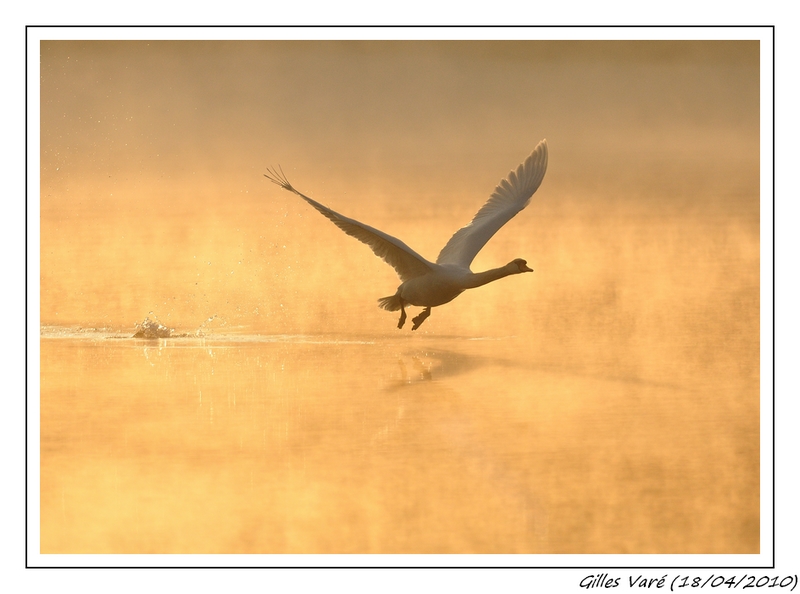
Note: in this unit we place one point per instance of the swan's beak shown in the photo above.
(524, 268)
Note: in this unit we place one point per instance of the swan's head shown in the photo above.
(520, 265)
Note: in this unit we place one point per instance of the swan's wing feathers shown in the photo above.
(391, 250)
(509, 197)
(394, 252)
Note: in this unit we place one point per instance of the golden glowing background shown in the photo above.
(606, 403)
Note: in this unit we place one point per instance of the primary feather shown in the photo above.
(509, 197)
(406, 262)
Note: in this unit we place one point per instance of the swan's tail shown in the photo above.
(392, 303)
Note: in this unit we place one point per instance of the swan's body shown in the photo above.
(428, 284)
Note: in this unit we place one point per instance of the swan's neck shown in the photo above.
(482, 278)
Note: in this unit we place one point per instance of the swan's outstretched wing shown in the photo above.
(407, 262)
(509, 197)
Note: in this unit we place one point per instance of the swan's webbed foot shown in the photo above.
(402, 317)
(421, 318)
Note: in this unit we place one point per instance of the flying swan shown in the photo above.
(424, 283)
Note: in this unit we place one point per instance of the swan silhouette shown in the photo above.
(428, 284)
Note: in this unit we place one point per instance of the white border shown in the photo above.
(404, 33)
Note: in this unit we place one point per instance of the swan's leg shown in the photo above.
(421, 318)
(402, 316)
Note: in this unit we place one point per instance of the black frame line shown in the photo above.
(456, 567)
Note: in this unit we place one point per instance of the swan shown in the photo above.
(428, 284)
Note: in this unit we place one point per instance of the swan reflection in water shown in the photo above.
(428, 284)
(430, 418)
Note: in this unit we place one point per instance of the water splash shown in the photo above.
(153, 329)
(205, 326)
